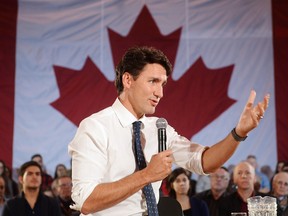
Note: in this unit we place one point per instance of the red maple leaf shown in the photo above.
(190, 103)
(82, 92)
(196, 99)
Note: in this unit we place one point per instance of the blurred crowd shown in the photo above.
(36, 192)
(216, 194)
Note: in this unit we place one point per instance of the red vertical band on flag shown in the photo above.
(8, 23)
(280, 43)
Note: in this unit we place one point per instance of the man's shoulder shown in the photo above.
(102, 115)
(15, 201)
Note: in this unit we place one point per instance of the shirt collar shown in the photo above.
(125, 117)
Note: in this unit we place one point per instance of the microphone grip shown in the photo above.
(161, 139)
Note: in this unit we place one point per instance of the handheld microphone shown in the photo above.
(161, 124)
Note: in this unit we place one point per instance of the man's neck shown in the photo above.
(31, 195)
(217, 193)
(245, 194)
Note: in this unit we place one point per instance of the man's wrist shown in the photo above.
(236, 136)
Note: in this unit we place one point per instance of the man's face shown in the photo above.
(31, 178)
(244, 176)
(2, 188)
(144, 93)
(280, 184)
(64, 188)
(219, 180)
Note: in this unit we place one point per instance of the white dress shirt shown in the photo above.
(102, 151)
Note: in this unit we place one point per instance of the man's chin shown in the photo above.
(151, 111)
(33, 187)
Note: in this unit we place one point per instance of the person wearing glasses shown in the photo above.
(244, 178)
(64, 187)
(219, 182)
(280, 191)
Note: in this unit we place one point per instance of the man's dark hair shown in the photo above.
(24, 166)
(135, 59)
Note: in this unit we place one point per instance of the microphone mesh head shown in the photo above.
(161, 123)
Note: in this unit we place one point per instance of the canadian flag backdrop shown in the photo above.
(57, 61)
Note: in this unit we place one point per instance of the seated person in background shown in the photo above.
(2, 194)
(11, 187)
(244, 178)
(285, 167)
(32, 201)
(46, 178)
(179, 187)
(280, 191)
(279, 166)
(262, 182)
(64, 187)
(60, 170)
(219, 184)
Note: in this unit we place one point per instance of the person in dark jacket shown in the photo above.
(219, 183)
(244, 178)
(31, 201)
(179, 187)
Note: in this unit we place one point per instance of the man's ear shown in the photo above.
(20, 179)
(126, 79)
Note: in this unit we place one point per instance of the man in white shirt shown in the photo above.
(105, 178)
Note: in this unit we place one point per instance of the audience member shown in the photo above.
(280, 191)
(285, 167)
(11, 187)
(244, 178)
(279, 166)
(31, 201)
(219, 184)
(266, 170)
(262, 183)
(46, 178)
(54, 188)
(179, 187)
(2, 194)
(64, 187)
(60, 171)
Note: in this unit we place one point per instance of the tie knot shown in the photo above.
(137, 126)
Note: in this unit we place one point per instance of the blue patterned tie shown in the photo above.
(139, 155)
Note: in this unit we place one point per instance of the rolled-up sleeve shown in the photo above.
(89, 160)
(186, 154)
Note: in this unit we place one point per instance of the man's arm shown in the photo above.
(106, 195)
(218, 154)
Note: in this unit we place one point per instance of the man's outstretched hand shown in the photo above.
(252, 114)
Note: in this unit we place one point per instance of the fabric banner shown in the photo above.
(66, 52)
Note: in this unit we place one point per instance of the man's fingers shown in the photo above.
(251, 98)
(266, 101)
(166, 153)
